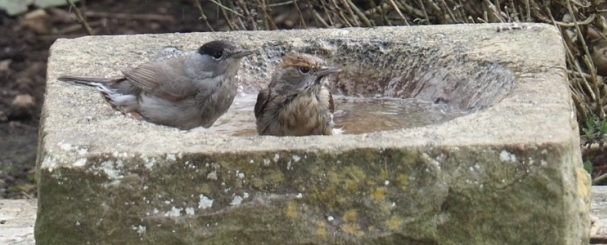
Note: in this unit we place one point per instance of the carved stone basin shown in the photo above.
(507, 171)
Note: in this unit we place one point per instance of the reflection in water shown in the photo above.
(355, 115)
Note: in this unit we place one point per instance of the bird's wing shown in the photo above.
(331, 103)
(164, 79)
(262, 100)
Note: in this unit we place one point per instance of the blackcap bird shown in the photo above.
(297, 102)
(184, 92)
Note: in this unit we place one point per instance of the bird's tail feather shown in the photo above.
(88, 81)
(101, 84)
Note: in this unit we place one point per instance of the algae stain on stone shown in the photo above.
(410, 158)
(402, 180)
(351, 185)
(350, 225)
(291, 209)
(394, 223)
(385, 207)
(379, 194)
(321, 229)
(352, 229)
(350, 215)
(274, 178)
(356, 173)
(205, 189)
(333, 177)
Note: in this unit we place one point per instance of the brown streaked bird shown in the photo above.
(184, 92)
(297, 102)
(598, 50)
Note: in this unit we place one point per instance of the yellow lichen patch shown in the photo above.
(350, 215)
(321, 230)
(394, 222)
(371, 228)
(352, 229)
(371, 183)
(274, 177)
(291, 210)
(333, 177)
(385, 207)
(357, 173)
(257, 183)
(204, 189)
(379, 194)
(402, 180)
(583, 184)
(351, 185)
(410, 158)
(323, 194)
(384, 173)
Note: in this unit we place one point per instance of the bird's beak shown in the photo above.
(242, 53)
(327, 70)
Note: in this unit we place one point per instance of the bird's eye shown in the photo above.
(217, 55)
(304, 70)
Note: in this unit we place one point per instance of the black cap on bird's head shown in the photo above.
(220, 49)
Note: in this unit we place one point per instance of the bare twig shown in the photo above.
(515, 12)
(248, 15)
(154, 17)
(340, 14)
(301, 18)
(81, 19)
(598, 180)
(588, 61)
(323, 4)
(231, 24)
(267, 17)
(226, 8)
(202, 15)
(317, 16)
(380, 8)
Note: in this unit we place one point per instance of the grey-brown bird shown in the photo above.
(297, 102)
(185, 92)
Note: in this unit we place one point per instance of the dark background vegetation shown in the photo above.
(26, 38)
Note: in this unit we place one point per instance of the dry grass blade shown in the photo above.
(398, 11)
(426, 18)
(351, 12)
(449, 14)
(359, 13)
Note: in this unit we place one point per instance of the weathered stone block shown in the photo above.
(509, 172)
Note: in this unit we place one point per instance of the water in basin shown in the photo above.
(354, 115)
